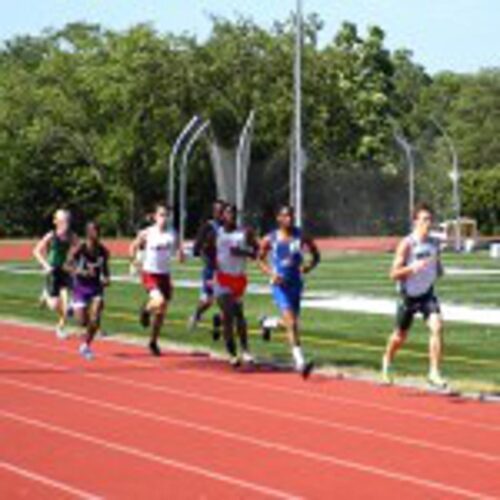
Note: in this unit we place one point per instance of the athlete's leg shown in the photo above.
(157, 307)
(226, 304)
(395, 342)
(242, 329)
(436, 345)
(94, 320)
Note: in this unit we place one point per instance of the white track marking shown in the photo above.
(266, 444)
(338, 301)
(274, 413)
(276, 388)
(47, 481)
(152, 457)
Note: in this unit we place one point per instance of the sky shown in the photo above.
(456, 35)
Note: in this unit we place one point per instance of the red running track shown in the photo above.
(129, 426)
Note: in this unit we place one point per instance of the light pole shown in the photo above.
(298, 162)
(455, 179)
(183, 178)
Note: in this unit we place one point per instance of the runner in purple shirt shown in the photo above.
(91, 271)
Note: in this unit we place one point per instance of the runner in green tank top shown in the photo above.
(53, 252)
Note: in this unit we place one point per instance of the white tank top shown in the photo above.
(419, 284)
(158, 251)
(226, 262)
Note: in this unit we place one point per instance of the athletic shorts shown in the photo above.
(207, 283)
(159, 282)
(84, 295)
(229, 284)
(288, 296)
(57, 280)
(408, 307)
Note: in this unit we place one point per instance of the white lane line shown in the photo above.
(152, 457)
(331, 459)
(404, 440)
(47, 481)
(263, 385)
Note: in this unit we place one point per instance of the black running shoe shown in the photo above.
(144, 317)
(307, 370)
(154, 348)
(216, 327)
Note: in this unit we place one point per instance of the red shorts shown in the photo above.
(236, 285)
(161, 282)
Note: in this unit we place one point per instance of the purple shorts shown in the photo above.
(84, 295)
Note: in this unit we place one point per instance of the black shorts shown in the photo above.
(425, 305)
(57, 280)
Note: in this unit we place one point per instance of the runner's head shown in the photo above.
(161, 216)
(422, 219)
(286, 217)
(92, 232)
(62, 220)
(229, 215)
(217, 209)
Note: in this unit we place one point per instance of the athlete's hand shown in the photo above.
(105, 282)
(276, 279)
(420, 265)
(306, 269)
(47, 269)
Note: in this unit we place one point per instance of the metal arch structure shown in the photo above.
(407, 148)
(242, 163)
(455, 179)
(179, 142)
(200, 130)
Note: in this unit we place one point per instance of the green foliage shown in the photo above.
(88, 116)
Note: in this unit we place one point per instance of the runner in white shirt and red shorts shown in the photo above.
(234, 246)
(158, 246)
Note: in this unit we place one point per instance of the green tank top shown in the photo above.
(58, 250)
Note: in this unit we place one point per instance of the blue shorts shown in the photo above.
(207, 282)
(288, 296)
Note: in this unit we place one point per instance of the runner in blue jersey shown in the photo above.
(206, 252)
(282, 258)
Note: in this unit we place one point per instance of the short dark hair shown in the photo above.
(422, 207)
(286, 208)
(95, 225)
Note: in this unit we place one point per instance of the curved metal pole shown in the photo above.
(173, 156)
(407, 148)
(183, 178)
(241, 168)
(455, 178)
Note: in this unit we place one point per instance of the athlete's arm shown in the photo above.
(200, 239)
(310, 245)
(251, 246)
(40, 252)
(262, 261)
(73, 249)
(106, 274)
(136, 245)
(400, 270)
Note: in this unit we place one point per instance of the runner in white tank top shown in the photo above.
(234, 246)
(416, 267)
(158, 245)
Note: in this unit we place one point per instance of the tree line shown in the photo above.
(88, 117)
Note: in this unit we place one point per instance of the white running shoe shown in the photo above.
(192, 323)
(86, 352)
(436, 380)
(387, 373)
(247, 358)
(61, 333)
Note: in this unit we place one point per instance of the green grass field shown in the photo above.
(349, 341)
